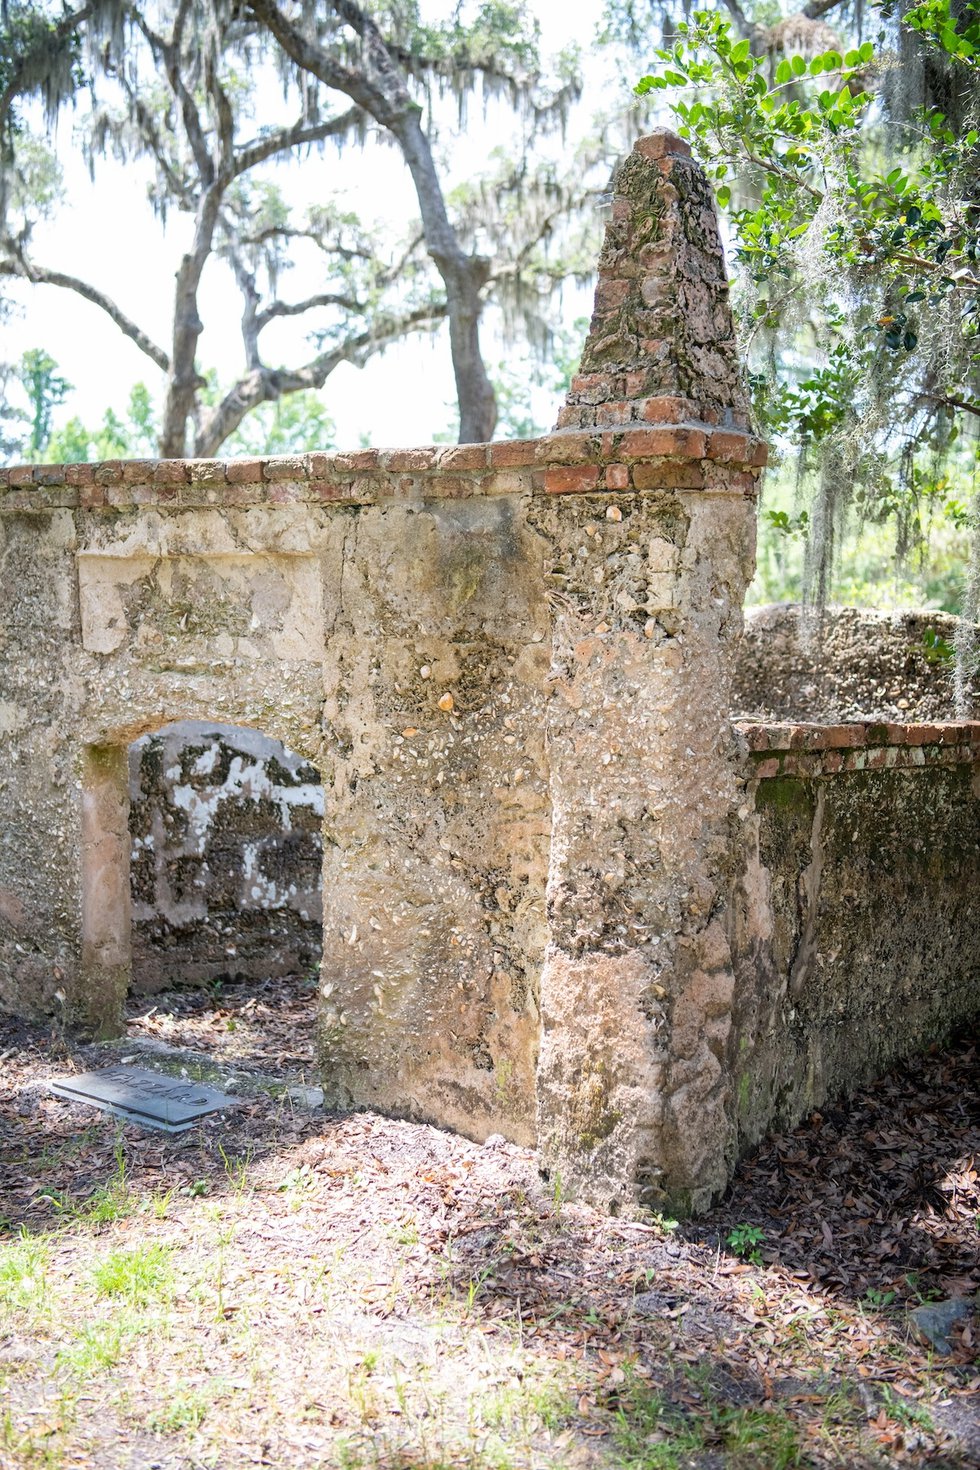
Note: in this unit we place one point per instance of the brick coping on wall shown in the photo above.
(827, 750)
(663, 456)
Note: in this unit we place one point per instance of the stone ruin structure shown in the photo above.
(566, 899)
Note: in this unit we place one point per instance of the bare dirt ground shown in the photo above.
(287, 1287)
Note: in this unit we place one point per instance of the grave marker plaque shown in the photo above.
(152, 1099)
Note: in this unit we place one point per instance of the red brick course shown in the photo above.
(464, 457)
(645, 457)
(208, 471)
(570, 481)
(669, 474)
(244, 472)
(512, 454)
(813, 751)
(171, 472)
(80, 474)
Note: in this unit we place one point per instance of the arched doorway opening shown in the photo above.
(225, 835)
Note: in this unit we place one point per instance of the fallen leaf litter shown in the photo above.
(363, 1286)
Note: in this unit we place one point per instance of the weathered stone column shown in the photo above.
(648, 576)
(438, 824)
(106, 907)
(40, 789)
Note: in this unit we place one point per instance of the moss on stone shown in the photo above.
(787, 793)
(591, 1117)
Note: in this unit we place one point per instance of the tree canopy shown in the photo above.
(847, 163)
(186, 86)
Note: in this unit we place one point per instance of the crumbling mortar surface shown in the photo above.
(227, 851)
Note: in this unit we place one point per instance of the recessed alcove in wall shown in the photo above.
(225, 832)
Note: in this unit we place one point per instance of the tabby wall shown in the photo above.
(510, 665)
(855, 908)
(564, 898)
(840, 664)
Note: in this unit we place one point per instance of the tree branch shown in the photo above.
(292, 232)
(250, 297)
(311, 57)
(398, 266)
(225, 119)
(28, 270)
(169, 52)
(295, 137)
(782, 173)
(918, 262)
(149, 137)
(265, 385)
(960, 403)
(816, 8)
(745, 27)
(297, 308)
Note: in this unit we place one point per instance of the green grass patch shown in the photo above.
(651, 1433)
(138, 1275)
(95, 1348)
(24, 1266)
(187, 1407)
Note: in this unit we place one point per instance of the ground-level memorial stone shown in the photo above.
(151, 1099)
(547, 910)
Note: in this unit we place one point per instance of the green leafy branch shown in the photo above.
(855, 238)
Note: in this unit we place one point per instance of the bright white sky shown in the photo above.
(107, 234)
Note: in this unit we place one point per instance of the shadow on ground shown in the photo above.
(405, 1298)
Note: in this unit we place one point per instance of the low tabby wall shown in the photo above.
(840, 664)
(855, 910)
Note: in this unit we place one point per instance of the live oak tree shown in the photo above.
(378, 60)
(171, 84)
(174, 101)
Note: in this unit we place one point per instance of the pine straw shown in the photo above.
(290, 1288)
